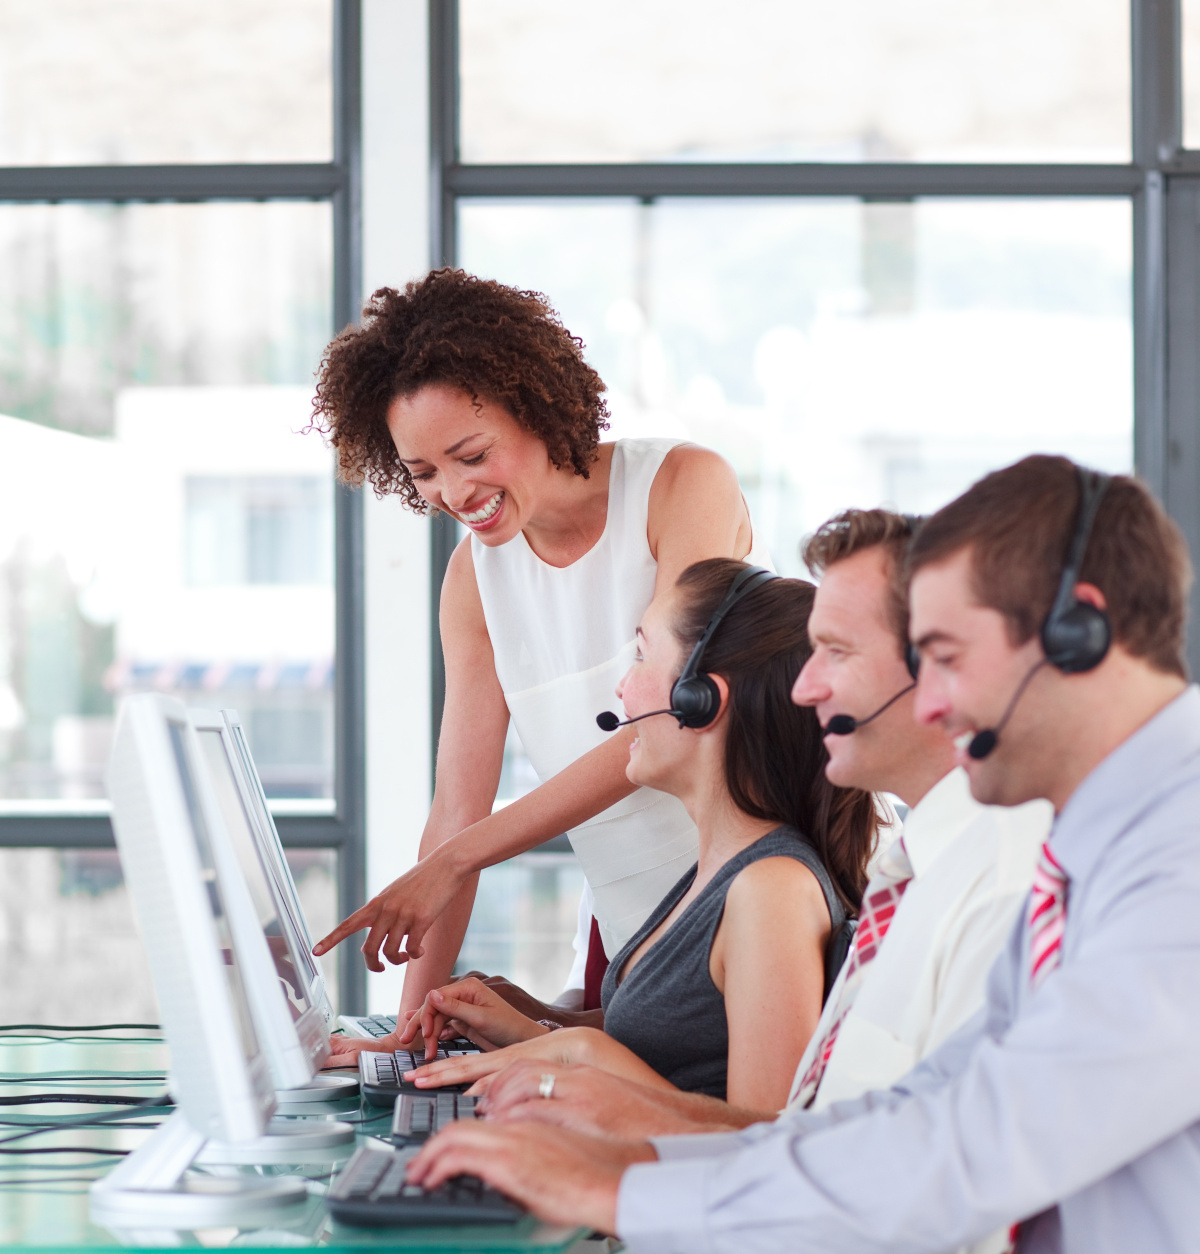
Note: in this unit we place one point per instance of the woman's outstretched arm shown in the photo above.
(429, 906)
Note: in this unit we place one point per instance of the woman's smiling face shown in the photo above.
(662, 748)
(471, 459)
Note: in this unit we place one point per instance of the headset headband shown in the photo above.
(1092, 484)
(745, 581)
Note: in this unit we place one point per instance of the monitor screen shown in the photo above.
(274, 855)
(285, 950)
(247, 1037)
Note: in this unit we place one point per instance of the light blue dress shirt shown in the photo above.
(1078, 1103)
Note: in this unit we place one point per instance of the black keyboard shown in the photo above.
(419, 1115)
(372, 1191)
(383, 1077)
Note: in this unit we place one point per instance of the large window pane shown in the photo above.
(72, 952)
(86, 83)
(1191, 73)
(524, 921)
(795, 80)
(841, 353)
(164, 522)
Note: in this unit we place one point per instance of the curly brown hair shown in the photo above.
(495, 343)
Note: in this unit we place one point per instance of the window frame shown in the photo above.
(338, 182)
(1162, 181)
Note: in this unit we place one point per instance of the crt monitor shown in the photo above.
(297, 1042)
(187, 894)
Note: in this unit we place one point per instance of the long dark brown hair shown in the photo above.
(774, 752)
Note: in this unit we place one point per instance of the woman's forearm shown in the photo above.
(441, 946)
(576, 794)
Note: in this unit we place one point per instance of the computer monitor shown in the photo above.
(187, 896)
(271, 848)
(296, 1042)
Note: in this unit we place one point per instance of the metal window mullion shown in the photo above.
(904, 180)
(259, 181)
(349, 596)
(443, 158)
(1156, 133)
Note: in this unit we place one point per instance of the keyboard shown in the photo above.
(369, 1025)
(372, 1191)
(417, 1116)
(382, 1077)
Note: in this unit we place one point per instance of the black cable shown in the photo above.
(66, 1149)
(39, 1183)
(96, 1077)
(16, 1039)
(80, 1027)
(98, 1099)
(89, 1122)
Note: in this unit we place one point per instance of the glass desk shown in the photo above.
(44, 1197)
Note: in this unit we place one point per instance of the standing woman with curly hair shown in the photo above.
(470, 397)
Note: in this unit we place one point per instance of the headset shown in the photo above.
(695, 699)
(1076, 635)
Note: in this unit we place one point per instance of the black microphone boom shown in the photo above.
(846, 724)
(608, 721)
(983, 742)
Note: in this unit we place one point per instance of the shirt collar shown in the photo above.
(941, 815)
(1126, 782)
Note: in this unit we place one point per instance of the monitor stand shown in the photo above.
(297, 1141)
(150, 1189)
(325, 1086)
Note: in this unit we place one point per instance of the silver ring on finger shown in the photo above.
(546, 1085)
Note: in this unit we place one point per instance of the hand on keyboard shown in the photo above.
(563, 1177)
(469, 1008)
(571, 1045)
(344, 1050)
(373, 1189)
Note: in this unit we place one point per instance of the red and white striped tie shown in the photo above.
(1047, 920)
(1047, 917)
(878, 909)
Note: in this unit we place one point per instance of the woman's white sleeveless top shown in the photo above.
(562, 638)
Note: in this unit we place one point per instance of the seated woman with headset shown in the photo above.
(721, 988)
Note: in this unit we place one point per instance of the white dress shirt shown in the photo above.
(972, 867)
(1075, 1105)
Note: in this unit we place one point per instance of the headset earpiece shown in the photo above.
(1076, 635)
(912, 659)
(695, 699)
(1078, 639)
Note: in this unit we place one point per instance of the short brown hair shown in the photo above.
(493, 342)
(855, 530)
(1018, 523)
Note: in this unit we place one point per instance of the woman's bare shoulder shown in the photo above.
(688, 467)
(774, 887)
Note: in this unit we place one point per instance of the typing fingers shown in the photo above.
(515, 1084)
(457, 1070)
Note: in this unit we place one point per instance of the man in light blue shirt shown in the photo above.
(1071, 1107)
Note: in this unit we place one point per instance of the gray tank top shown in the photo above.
(668, 1011)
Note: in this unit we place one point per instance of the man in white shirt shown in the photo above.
(965, 868)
